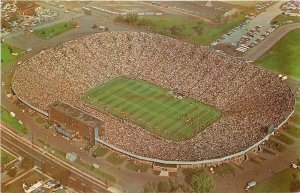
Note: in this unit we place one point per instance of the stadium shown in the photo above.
(160, 98)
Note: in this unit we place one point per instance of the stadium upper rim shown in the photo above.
(251, 99)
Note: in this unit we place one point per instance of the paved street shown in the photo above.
(19, 144)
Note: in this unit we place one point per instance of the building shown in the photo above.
(73, 119)
(71, 156)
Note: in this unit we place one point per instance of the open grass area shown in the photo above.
(296, 118)
(224, 169)
(276, 146)
(284, 56)
(59, 153)
(30, 178)
(281, 182)
(285, 139)
(43, 143)
(152, 108)
(193, 31)
(99, 152)
(293, 131)
(6, 157)
(93, 171)
(285, 19)
(298, 106)
(54, 30)
(115, 159)
(6, 54)
(137, 167)
(12, 121)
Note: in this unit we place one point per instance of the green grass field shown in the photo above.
(12, 121)
(152, 108)
(6, 57)
(115, 159)
(193, 31)
(99, 152)
(284, 19)
(6, 157)
(137, 167)
(284, 56)
(54, 30)
(295, 131)
(280, 182)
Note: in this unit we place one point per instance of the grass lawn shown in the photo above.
(193, 31)
(224, 169)
(281, 182)
(6, 57)
(43, 143)
(115, 159)
(54, 30)
(152, 108)
(99, 152)
(285, 139)
(284, 56)
(59, 153)
(6, 157)
(277, 146)
(137, 167)
(30, 178)
(293, 131)
(12, 121)
(283, 19)
(93, 171)
(295, 118)
(298, 105)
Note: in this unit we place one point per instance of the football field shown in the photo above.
(153, 108)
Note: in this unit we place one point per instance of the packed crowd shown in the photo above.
(249, 98)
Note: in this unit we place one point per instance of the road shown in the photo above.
(274, 37)
(16, 143)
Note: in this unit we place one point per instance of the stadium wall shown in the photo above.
(211, 161)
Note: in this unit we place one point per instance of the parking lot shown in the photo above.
(254, 30)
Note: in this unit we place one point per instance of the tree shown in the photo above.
(94, 26)
(4, 23)
(164, 187)
(199, 28)
(175, 30)
(66, 25)
(10, 49)
(27, 163)
(202, 182)
(12, 172)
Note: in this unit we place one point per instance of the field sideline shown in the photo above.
(153, 108)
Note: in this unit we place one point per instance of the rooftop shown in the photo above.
(77, 114)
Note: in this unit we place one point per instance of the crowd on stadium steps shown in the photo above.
(249, 98)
